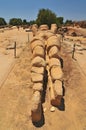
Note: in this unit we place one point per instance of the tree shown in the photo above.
(59, 21)
(24, 22)
(68, 22)
(15, 21)
(32, 22)
(2, 21)
(46, 16)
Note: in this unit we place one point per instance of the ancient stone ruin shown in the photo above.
(45, 47)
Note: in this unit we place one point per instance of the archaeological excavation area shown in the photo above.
(45, 86)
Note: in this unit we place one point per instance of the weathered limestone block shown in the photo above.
(53, 52)
(36, 110)
(48, 34)
(59, 37)
(54, 62)
(35, 77)
(56, 73)
(54, 28)
(36, 42)
(36, 100)
(38, 87)
(41, 34)
(38, 51)
(43, 27)
(53, 41)
(58, 88)
(38, 62)
(44, 35)
(34, 29)
(39, 70)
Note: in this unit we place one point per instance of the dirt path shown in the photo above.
(15, 96)
(5, 63)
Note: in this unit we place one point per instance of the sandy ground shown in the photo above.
(7, 40)
(15, 95)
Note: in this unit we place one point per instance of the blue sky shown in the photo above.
(28, 9)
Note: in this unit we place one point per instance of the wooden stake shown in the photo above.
(15, 50)
(73, 50)
(28, 37)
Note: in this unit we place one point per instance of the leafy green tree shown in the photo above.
(68, 22)
(32, 22)
(24, 22)
(2, 21)
(59, 21)
(15, 21)
(46, 16)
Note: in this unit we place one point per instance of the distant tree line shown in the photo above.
(44, 16)
(2, 22)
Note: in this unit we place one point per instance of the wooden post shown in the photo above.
(28, 37)
(62, 37)
(15, 50)
(73, 50)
